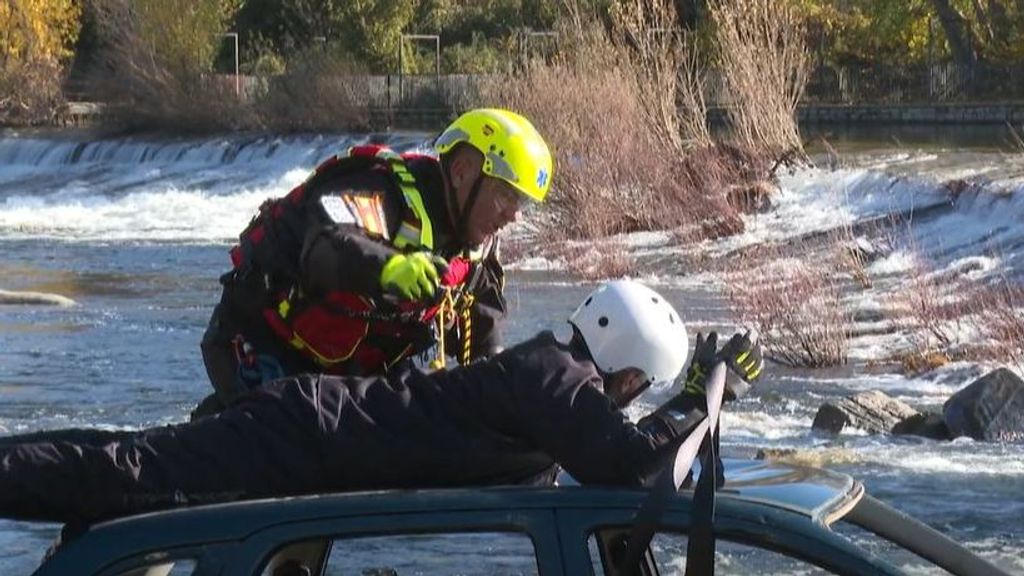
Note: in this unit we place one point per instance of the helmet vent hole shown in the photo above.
(671, 319)
(602, 321)
(587, 303)
(653, 299)
(493, 147)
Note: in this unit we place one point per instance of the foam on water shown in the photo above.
(176, 190)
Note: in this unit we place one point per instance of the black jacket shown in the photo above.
(508, 420)
(319, 254)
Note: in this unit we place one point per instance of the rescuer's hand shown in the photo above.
(742, 354)
(412, 276)
(745, 359)
(705, 354)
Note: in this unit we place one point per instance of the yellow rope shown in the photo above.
(445, 309)
(466, 302)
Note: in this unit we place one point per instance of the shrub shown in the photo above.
(621, 165)
(599, 261)
(321, 90)
(950, 315)
(764, 60)
(931, 309)
(1001, 320)
(796, 303)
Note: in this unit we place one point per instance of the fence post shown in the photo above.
(238, 81)
(436, 39)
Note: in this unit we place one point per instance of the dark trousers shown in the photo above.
(260, 447)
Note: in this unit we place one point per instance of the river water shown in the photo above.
(136, 232)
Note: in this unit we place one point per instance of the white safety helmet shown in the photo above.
(627, 325)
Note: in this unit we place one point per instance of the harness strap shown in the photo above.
(668, 482)
(445, 309)
(416, 229)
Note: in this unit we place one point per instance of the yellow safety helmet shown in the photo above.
(513, 149)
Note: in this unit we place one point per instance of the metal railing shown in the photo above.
(869, 84)
(922, 84)
(828, 85)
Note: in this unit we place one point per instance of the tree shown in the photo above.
(35, 42)
(958, 33)
(155, 61)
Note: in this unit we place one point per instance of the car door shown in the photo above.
(494, 541)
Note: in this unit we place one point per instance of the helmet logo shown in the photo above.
(488, 130)
(542, 178)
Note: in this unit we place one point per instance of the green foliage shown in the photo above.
(184, 34)
(480, 56)
(37, 30)
(261, 59)
(461, 20)
(372, 28)
(35, 41)
(883, 31)
(474, 31)
(867, 30)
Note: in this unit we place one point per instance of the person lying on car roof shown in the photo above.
(510, 419)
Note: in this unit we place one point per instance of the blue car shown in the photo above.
(768, 518)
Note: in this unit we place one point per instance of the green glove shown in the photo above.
(411, 276)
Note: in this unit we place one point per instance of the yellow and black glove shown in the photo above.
(412, 276)
(705, 353)
(742, 354)
(745, 359)
(681, 413)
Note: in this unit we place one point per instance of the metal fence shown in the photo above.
(890, 85)
(446, 94)
(869, 84)
(923, 84)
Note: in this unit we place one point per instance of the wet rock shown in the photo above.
(864, 251)
(926, 424)
(991, 408)
(817, 457)
(873, 412)
(869, 315)
(774, 453)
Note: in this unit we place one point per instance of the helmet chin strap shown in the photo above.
(460, 215)
(626, 400)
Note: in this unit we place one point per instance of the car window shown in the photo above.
(731, 558)
(473, 553)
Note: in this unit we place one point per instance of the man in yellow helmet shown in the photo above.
(376, 257)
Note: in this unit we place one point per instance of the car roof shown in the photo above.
(819, 495)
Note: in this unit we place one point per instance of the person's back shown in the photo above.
(505, 421)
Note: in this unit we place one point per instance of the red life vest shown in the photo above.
(346, 327)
